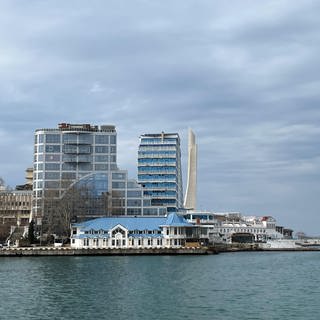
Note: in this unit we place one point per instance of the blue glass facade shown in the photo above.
(159, 169)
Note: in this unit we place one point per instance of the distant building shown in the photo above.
(76, 177)
(29, 181)
(233, 227)
(159, 169)
(15, 209)
(65, 154)
(133, 232)
(190, 200)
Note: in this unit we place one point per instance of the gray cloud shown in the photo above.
(243, 75)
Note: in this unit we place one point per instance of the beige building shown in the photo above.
(15, 207)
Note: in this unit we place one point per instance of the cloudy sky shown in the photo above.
(243, 74)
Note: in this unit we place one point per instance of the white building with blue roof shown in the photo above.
(133, 232)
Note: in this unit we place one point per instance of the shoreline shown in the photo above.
(67, 251)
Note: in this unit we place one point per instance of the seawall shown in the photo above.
(67, 251)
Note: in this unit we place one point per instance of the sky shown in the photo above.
(244, 75)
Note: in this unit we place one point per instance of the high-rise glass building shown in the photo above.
(67, 153)
(76, 177)
(159, 169)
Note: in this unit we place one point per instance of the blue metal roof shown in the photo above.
(133, 223)
(130, 223)
(173, 220)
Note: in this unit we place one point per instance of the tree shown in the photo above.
(31, 237)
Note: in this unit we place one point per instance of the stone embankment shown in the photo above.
(67, 251)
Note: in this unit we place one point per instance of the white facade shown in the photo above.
(135, 232)
(223, 226)
(190, 200)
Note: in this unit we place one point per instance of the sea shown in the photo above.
(242, 285)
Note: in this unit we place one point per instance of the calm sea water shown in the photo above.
(225, 286)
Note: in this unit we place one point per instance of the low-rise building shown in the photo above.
(233, 227)
(172, 231)
(15, 209)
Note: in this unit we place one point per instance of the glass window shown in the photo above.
(113, 166)
(134, 194)
(52, 138)
(134, 211)
(132, 185)
(101, 166)
(112, 158)
(118, 176)
(52, 175)
(118, 193)
(69, 166)
(52, 166)
(150, 211)
(52, 157)
(52, 184)
(118, 185)
(85, 138)
(40, 148)
(113, 149)
(112, 139)
(70, 138)
(101, 149)
(84, 149)
(133, 203)
(40, 166)
(69, 148)
(102, 158)
(68, 175)
(102, 139)
(52, 148)
(85, 166)
(40, 138)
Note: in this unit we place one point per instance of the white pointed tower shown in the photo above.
(190, 200)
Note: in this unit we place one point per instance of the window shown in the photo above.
(118, 185)
(52, 148)
(85, 138)
(112, 139)
(112, 158)
(102, 158)
(69, 166)
(113, 149)
(133, 203)
(118, 176)
(52, 175)
(40, 138)
(53, 166)
(70, 138)
(40, 148)
(52, 184)
(52, 138)
(101, 149)
(134, 194)
(85, 166)
(84, 149)
(101, 166)
(52, 157)
(102, 139)
(69, 148)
